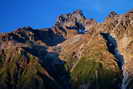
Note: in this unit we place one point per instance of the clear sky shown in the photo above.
(43, 13)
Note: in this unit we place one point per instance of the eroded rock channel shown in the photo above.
(113, 48)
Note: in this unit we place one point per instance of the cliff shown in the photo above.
(75, 53)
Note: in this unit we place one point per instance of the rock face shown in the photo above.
(76, 53)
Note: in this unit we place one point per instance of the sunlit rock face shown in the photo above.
(72, 54)
(71, 19)
(121, 27)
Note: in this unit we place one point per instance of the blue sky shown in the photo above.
(43, 13)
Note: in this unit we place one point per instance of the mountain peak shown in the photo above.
(71, 18)
(112, 14)
(62, 57)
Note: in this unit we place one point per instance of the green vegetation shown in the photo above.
(1, 60)
(17, 73)
(93, 72)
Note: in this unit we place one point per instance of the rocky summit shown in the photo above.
(75, 53)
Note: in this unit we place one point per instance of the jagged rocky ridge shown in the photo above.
(76, 53)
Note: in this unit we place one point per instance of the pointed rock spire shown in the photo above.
(112, 14)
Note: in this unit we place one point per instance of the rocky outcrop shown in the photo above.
(76, 53)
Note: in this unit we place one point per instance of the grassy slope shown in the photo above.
(96, 68)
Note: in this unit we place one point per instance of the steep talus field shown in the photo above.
(75, 53)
